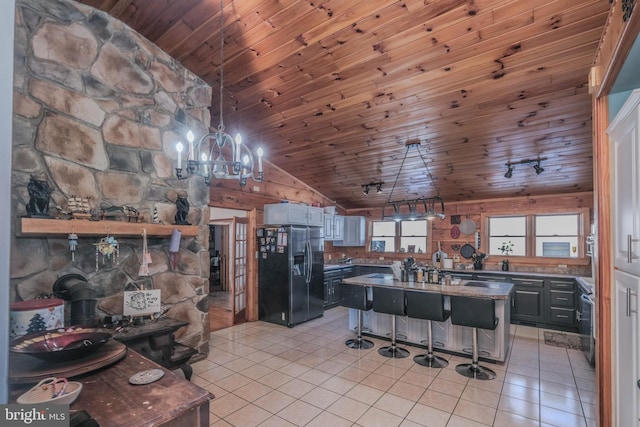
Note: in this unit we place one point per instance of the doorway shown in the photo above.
(228, 272)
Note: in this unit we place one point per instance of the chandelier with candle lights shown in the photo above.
(206, 158)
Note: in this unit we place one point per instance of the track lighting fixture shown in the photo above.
(367, 187)
(509, 171)
(537, 167)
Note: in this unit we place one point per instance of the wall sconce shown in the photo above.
(537, 167)
(367, 187)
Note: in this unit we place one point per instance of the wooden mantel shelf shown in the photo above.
(52, 227)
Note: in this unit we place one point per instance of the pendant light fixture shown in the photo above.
(206, 158)
(412, 209)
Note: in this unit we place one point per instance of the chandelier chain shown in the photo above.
(398, 175)
(424, 162)
(221, 122)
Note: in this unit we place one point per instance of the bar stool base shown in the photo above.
(393, 351)
(359, 344)
(431, 361)
(472, 370)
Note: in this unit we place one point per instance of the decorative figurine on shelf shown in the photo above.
(156, 218)
(39, 195)
(73, 245)
(182, 204)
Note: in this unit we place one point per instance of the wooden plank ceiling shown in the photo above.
(333, 89)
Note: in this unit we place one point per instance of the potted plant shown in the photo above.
(506, 249)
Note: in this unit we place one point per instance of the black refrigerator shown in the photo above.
(290, 274)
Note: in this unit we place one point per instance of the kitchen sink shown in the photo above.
(479, 284)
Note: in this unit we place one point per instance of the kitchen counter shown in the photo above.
(493, 345)
(494, 290)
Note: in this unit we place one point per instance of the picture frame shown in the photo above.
(411, 249)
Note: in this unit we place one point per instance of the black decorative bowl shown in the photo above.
(61, 345)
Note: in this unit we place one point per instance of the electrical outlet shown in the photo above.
(381, 258)
(283, 319)
(256, 189)
(329, 257)
(562, 266)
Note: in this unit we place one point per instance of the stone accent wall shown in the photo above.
(98, 110)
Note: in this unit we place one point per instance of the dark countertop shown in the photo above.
(495, 290)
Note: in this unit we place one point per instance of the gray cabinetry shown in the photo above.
(353, 232)
(333, 227)
(527, 302)
(539, 300)
(562, 304)
(332, 279)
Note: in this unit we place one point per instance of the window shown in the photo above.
(537, 235)
(383, 236)
(391, 236)
(557, 235)
(505, 231)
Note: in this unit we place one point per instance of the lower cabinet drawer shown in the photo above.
(562, 299)
(564, 316)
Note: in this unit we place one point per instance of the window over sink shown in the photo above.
(403, 236)
(545, 235)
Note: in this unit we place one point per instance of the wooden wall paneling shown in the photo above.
(604, 261)
(441, 229)
(252, 267)
(614, 46)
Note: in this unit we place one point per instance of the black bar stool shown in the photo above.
(429, 306)
(390, 301)
(475, 313)
(355, 296)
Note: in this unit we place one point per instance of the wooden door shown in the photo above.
(238, 274)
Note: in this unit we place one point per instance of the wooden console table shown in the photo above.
(112, 401)
(154, 339)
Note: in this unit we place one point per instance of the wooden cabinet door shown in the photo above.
(626, 352)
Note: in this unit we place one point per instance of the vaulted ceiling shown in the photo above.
(334, 89)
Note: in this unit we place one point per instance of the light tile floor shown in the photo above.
(269, 375)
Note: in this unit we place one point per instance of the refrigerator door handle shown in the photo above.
(309, 261)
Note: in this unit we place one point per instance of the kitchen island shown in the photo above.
(493, 345)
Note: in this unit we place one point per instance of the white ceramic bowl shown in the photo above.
(40, 394)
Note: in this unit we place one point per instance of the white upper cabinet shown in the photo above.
(624, 135)
(353, 232)
(292, 214)
(333, 227)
